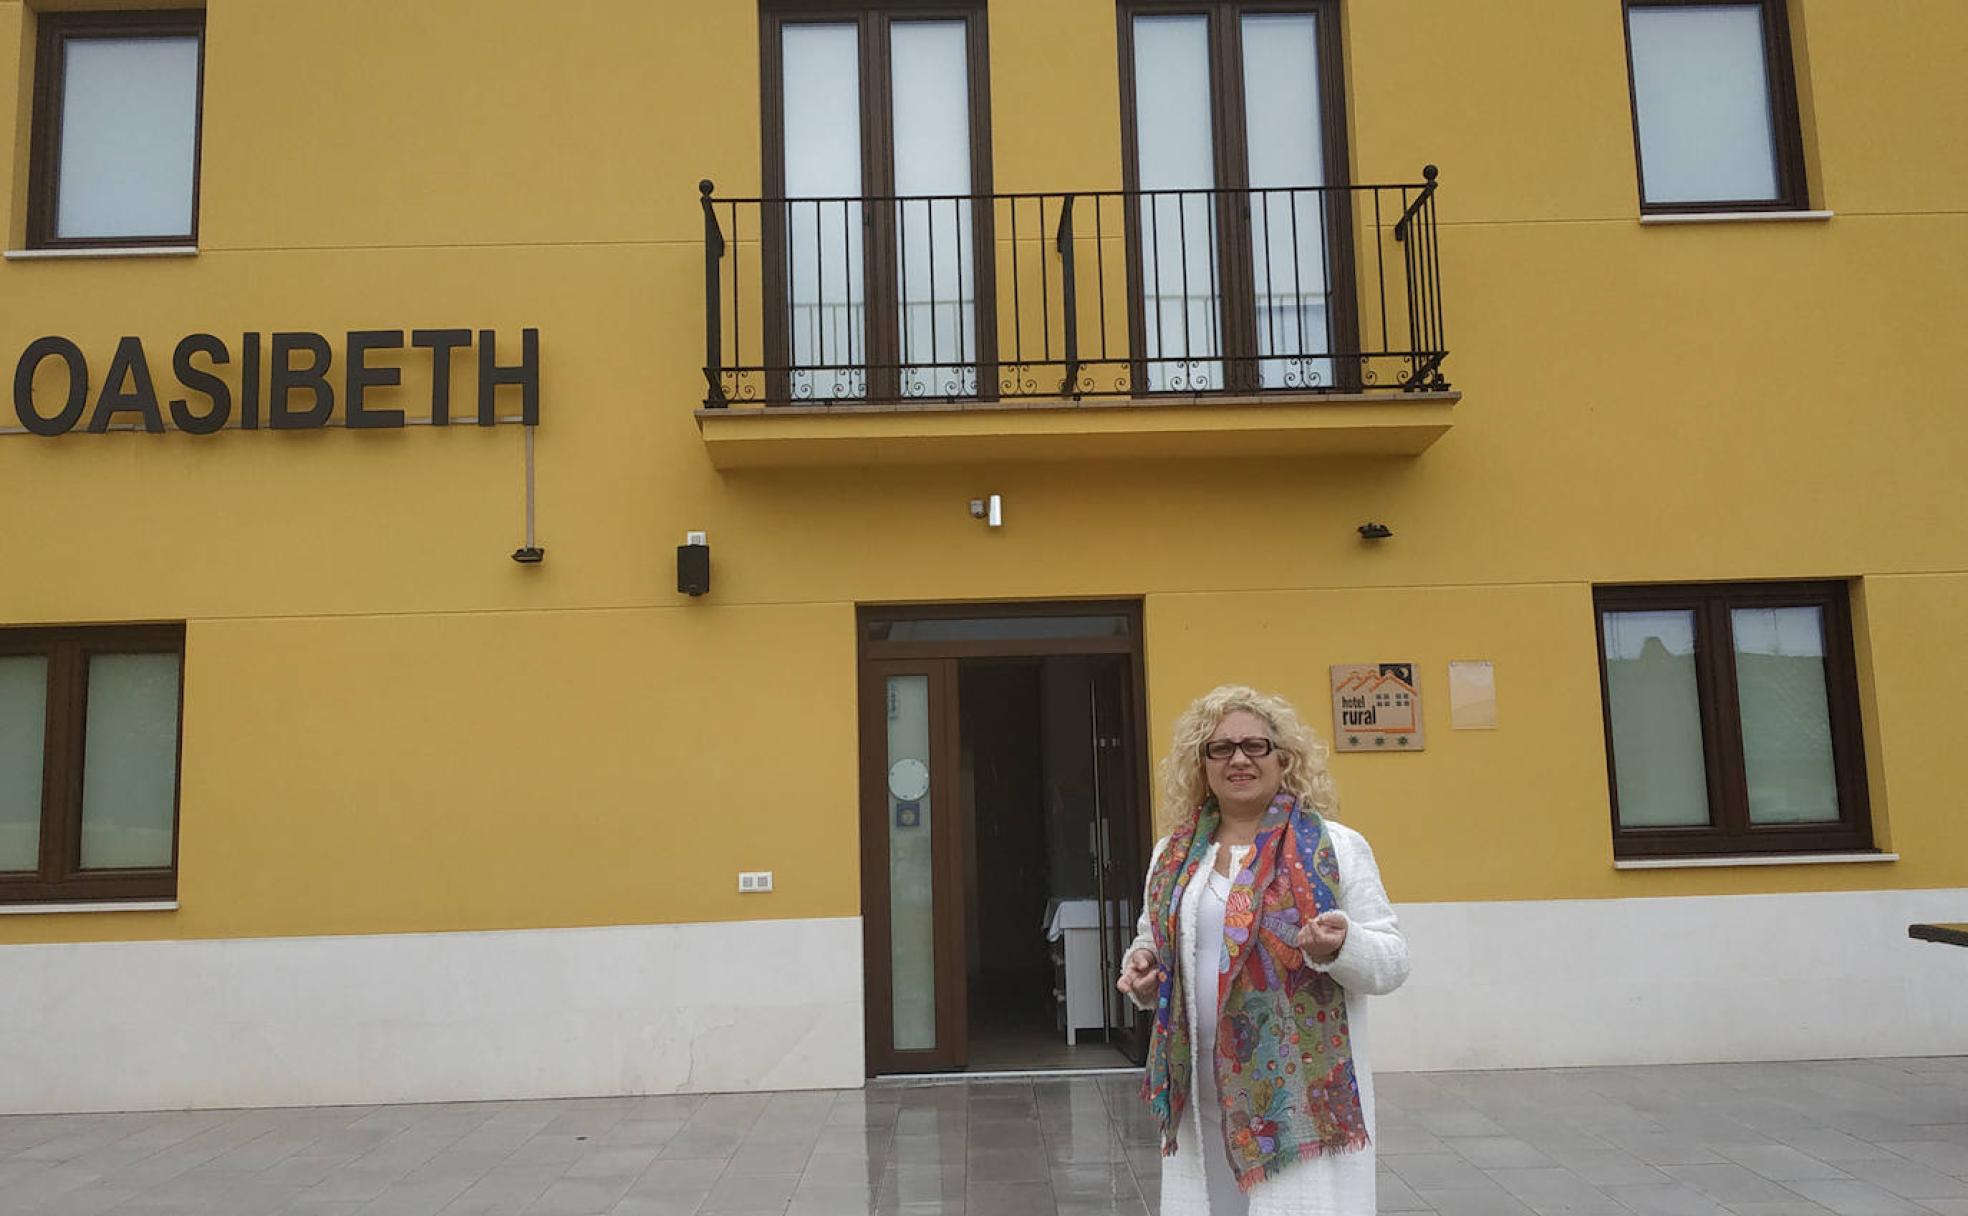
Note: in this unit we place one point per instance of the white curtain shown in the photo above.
(23, 726)
(1660, 768)
(936, 271)
(825, 269)
(1288, 236)
(1786, 715)
(130, 761)
(1174, 142)
(1701, 95)
(129, 137)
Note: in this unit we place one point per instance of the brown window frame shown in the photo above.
(54, 31)
(60, 877)
(1230, 138)
(1779, 71)
(1729, 831)
(882, 340)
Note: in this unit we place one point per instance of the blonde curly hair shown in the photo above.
(1302, 753)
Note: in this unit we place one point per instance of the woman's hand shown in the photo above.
(1322, 936)
(1141, 975)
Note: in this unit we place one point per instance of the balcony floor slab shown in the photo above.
(967, 432)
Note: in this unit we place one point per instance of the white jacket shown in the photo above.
(1372, 962)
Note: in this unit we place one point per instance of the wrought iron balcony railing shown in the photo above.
(1070, 295)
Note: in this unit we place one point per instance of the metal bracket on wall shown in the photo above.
(529, 554)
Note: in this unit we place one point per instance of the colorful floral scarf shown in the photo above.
(1283, 1055)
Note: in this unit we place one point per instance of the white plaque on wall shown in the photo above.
(1472, 695)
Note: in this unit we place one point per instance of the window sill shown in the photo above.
(119, 905)
(107, 251)
(1752, 859)
(1740, 217)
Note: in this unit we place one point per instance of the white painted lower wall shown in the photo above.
(1647, 981)
(778, 1004)
(632, 1009)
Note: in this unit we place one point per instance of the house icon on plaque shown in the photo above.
(1391, 692)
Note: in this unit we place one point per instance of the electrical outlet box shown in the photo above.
(752, 882)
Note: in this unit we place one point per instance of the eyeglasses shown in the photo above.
(1223, 749)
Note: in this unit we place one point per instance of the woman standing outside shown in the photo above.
(1263, 928)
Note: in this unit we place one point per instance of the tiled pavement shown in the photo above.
(1877, 1138)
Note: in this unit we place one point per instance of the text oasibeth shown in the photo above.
(299, 381)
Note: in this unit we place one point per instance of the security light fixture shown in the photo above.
(990, 510)
(694, 565)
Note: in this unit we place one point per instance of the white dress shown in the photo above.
(1225, 1199)
(1372, 962)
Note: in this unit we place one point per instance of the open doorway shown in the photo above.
(1003, 801)
(1036, 972)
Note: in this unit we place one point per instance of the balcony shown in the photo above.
(1286, 320)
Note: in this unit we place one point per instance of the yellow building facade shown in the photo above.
(442, 824)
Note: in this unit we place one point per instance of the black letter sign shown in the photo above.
(360, 377)
(441, 343)
(128, 363)
(286, 379)
(78, 385)
(249, 382)
(200, 382)
(526, 376)
(210, 403)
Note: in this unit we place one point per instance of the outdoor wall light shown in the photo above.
(693, 565)
(1373, 531)
(990, 510)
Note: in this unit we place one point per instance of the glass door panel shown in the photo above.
(1181, 291)
(911, 864)
(936, 270)
(1244, 225)
(1118, 860)
(1286, 159)
(826, 291)
(911, 880)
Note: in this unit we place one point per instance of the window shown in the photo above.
(1714, 106)
(89, 762)
(877, 141)
(1732, 721)
(116, 121)
(1234, 131)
